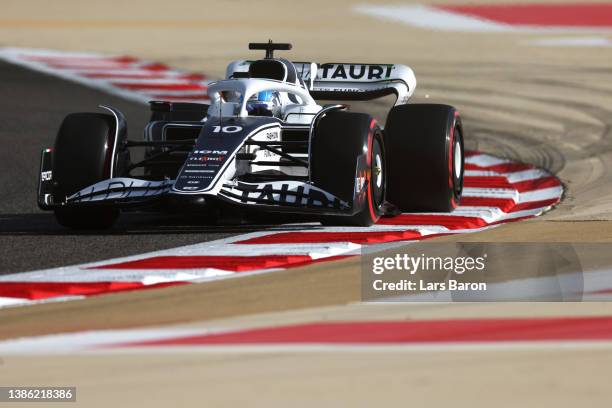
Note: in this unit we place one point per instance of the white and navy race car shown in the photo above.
(264, 143)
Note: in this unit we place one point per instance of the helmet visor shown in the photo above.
(265, 96)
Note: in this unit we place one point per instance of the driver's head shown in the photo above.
(265, 103)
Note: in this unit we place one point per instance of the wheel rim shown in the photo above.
(457, 158)
(458, 164)
(378, 174)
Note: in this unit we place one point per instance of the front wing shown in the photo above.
(276, 196)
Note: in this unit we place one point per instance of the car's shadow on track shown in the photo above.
(37, 224)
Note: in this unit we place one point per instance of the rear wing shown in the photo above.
(349, 81)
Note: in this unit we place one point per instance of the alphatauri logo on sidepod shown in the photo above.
(354, 71)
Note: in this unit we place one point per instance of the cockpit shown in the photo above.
(243, 97)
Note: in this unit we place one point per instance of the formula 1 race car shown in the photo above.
(265, 144)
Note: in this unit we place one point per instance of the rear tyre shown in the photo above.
(340, 139)
(425, 158)
(83, 156)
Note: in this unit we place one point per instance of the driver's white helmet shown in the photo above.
(265, 103)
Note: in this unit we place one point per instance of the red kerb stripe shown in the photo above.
(449, 221)
(227, 263)
(573, 15)
(79, 59)
(374, 237)
(116, 75)
(188, 86)
(501, 168)
(166, 97)
(506, 204)
(416, 331)
(45, 290)
(502, 182)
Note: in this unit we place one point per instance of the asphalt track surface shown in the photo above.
(32, 107)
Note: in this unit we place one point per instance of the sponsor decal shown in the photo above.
(227, 129)
(361, 182)
(365, 87)
(120, 188)
(355, 72)
(200, 165)
(205, 161)
(220, 152)
(208, 158)
(213, 154)
(283, 193)
(361, 185)
(273, 135)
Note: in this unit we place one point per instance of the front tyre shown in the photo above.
(84, 155)
(424, 144)
(341, 140)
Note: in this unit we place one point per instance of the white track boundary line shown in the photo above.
(10, 55)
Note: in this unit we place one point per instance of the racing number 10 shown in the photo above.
(227, 129)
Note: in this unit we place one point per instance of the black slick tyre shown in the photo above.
(83, 155)
(341, 138)
(425, 157)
